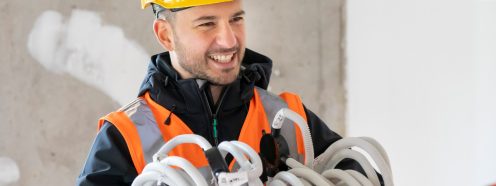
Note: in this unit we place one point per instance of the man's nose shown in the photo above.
(226, 37)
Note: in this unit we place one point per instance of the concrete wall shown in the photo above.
(56, 86)
(421, 80)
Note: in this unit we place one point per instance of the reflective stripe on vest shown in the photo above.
(272, 104)
(141, 123)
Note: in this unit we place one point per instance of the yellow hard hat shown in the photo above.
(171, 4)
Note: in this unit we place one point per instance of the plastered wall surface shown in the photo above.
(48, 113)
(421, 80)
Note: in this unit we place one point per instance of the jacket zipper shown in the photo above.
(214, 116)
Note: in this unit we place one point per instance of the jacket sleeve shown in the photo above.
(108, 162)
(323, 137)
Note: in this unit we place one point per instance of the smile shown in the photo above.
(222, 58)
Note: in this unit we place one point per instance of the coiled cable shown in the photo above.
(185, 138)
(305, 131)
(361, 159)
(371, 149)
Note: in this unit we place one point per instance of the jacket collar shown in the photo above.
(185, 95)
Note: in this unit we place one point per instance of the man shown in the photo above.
(207, 83)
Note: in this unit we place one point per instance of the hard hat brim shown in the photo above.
(173, 4)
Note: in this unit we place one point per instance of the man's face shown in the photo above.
(209, 42)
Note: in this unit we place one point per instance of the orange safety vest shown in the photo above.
(141, 125)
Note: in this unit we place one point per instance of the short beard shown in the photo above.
(197, 67)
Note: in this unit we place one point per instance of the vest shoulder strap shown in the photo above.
(138, 124)
(124, 120)
(284, 100)
(295, 104)
(272, 104)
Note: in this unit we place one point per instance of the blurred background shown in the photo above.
(418, 76)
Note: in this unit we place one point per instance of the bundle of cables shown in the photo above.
(323, 170)
(161, 172)
(256, 169)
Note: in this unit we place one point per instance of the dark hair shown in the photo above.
(163, 13)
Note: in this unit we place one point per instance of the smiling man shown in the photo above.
(206, 42)
(207, 83)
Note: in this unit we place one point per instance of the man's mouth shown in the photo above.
(222, 58)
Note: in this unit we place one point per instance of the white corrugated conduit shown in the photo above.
(171, 170)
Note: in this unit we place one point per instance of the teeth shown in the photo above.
(222, 58)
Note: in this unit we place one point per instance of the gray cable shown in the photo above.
(311, 176)
(181, 139)
(306, 183)
(360, 158)
(305, 131)
(287, 177)
(226, 147)
(359, 177)
(337, 175)
(277, 183)
(159, 171)
(146, 179)
(379, 147)
(238, 150)
(346, 143)
(256, 162)
(292, 163)
(189, 168)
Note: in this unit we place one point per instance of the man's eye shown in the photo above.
(237, 19)
(207, 24)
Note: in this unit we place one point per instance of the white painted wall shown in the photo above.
(421, 79)
(9, 171)
(485, 123)
(97, 54)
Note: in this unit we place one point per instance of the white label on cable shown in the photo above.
(278, 119)
(233, 179)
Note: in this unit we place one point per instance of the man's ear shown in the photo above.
(163, 33)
